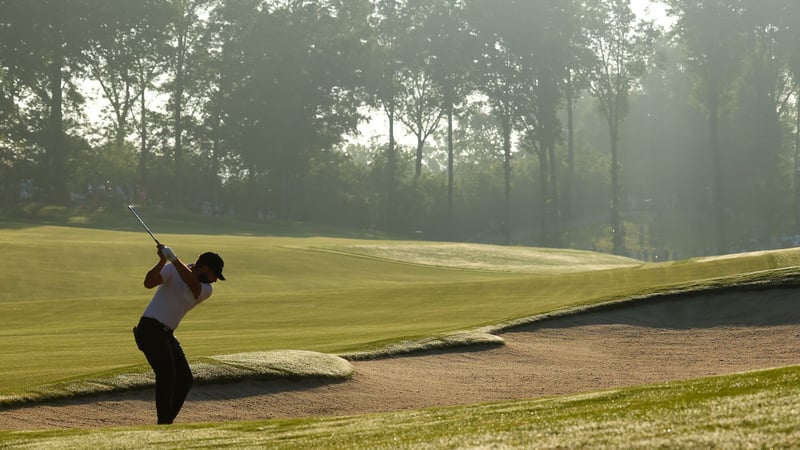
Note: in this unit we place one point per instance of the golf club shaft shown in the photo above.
(146, 228)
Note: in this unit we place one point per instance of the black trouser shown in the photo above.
(165, 355)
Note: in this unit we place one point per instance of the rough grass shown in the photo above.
(750, 410)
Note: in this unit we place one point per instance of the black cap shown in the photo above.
(213, 261)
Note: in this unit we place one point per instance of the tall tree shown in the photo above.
(389, 25)
(214, 85)
(149, 64)
(575, 81)
(498, 73)
(421, 98)
(452, 49)
(43, 47)
(788, 21)
(711, 32)
(118, 61)
(540, 33)
(622, 48)
(184, 30)
(295, 76)
(763, 94)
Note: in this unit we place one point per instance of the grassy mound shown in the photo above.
(215, 369)
(450, 341)
(280, 363)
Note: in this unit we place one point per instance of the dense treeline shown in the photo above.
(539, 122)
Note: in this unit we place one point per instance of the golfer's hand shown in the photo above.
(167, 253)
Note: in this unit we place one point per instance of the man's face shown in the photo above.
(204, 274)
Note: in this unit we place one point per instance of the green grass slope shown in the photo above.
(750, 410)
(72, 295)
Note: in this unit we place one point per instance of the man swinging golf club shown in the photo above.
(180, 288)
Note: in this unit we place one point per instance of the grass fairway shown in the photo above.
(752, 410)
(72, 294)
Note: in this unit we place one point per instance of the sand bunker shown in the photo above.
(672, 338)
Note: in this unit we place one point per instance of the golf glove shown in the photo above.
(169, 254)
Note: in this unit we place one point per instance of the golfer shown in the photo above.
(180, 288)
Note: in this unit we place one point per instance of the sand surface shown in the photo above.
(658, 341)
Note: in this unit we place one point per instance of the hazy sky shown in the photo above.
(378, 125)
(651, 9)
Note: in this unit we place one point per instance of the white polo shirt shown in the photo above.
(173, 298)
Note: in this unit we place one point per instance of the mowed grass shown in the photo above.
(751, 410)
(72, 295)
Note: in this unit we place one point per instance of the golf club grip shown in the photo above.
(151, 235)
(144, 225)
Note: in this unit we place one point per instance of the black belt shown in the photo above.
(153, 322)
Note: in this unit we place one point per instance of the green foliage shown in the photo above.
(238, 106)
(293, 74)
(622, 50)
(44, 45)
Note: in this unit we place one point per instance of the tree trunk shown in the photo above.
(284, 194)
(717, 182)
(56, 148)
(252, 194)
(506, 125)
(418, 159)
(566, 199)
(543, 187)
(797, 168)
(215, 157)
(121, 112)
(553, 216)
(618, 233)
(178, 114)
(143, 156)
(391, 167)
(450, 175)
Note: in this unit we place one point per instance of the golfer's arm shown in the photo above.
(153, 277)
(188, 277)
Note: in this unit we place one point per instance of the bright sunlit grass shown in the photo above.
(488, 257)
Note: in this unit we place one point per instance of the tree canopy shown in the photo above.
(544, 122)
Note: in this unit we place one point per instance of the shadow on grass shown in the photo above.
(736, 305)
(219, 369)
(201, 391)
(250, 387)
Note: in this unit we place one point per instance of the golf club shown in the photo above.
(133, 210)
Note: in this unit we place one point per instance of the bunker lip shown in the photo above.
(669, 338)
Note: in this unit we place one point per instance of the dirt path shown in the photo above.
(662, 341)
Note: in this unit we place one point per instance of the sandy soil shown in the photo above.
(664, 340)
